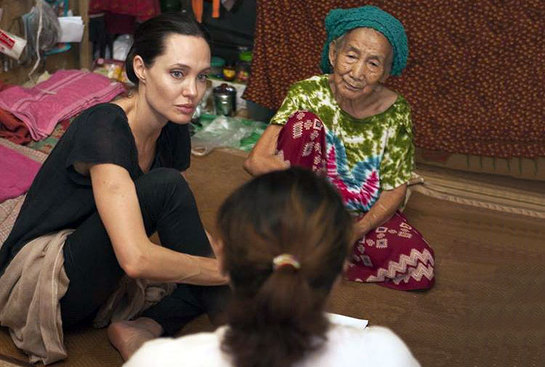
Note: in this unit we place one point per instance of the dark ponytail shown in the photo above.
(149, 38)
(277, 316)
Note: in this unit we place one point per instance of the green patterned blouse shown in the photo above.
(365, 156)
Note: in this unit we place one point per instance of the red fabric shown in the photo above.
(119, 23)
(302, 141)
(395, 254)
(475, 77)
(13, 129)
(141, 9)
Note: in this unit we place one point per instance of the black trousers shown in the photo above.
(168, 207)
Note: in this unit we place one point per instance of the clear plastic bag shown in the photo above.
(43, 20)
(122, 45)
(224, 132)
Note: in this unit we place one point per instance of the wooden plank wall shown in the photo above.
(78, 57)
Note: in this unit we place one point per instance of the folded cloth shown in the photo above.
(32, 286)
(35, 281)
(46, 145)
(62, 96)
(13, 129)
(18, 173)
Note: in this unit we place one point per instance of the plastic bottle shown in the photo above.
(243, 66)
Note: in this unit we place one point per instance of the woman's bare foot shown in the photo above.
(128, 336)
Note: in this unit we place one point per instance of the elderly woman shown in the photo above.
(347, 125)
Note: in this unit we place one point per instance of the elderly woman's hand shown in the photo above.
(259, 165)
(264, 158)
(388, 202)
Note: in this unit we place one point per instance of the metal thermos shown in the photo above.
(225, 100)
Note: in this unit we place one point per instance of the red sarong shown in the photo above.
(395, 254)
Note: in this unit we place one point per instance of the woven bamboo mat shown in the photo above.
(486, 308)
(482, 191)
(6, 361)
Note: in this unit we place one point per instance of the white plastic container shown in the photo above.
(11, 45)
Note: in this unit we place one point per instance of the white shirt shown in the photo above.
(346, 346)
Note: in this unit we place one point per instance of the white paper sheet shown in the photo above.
(347, 320)
(72, 29)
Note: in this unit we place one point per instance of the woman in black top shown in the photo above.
(115, 178)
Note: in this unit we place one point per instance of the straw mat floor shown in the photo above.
(487, 307)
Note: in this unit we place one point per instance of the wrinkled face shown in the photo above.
(176, 81)
(360, 63)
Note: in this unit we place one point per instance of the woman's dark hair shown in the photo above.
(149, 38)
(276, 316)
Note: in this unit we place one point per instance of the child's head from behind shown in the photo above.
(291, 212)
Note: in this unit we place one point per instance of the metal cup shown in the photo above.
(225, 100)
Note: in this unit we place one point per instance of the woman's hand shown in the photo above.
(206, 271)
(259, 165)
(383, 209)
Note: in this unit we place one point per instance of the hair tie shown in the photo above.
(285, 260)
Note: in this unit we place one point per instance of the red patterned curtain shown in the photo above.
(475, 76)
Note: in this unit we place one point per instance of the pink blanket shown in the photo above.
(62, 96)
(17, 173)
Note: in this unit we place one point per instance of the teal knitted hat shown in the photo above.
(340, 21)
